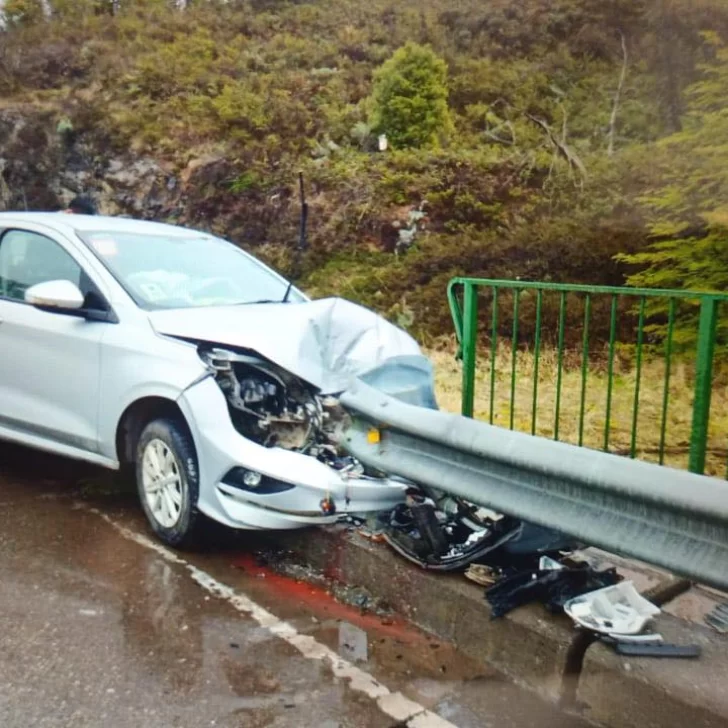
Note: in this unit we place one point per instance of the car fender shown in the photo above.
(148, 365)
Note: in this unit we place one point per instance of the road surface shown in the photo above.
(102, 626)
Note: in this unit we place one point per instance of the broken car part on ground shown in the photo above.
(520, 563)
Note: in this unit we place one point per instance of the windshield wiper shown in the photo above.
(252, 303)
(301, 238)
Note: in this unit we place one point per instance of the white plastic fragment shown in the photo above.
(353, 643)
(637, 639)
(617, 610)
(546, 563)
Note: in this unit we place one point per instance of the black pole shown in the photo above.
(302, 238)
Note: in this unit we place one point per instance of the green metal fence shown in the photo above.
(603, 349)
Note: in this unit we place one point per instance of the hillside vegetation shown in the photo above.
(562, 140)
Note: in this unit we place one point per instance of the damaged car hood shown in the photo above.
(326, 342)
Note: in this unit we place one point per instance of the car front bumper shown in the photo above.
(319, 494)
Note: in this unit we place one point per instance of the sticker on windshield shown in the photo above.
(153, 292)
(104, 245)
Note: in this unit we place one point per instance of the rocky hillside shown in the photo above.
(547, 145)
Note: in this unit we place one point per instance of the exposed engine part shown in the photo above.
(276, 409)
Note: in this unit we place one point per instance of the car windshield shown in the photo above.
(173, 271)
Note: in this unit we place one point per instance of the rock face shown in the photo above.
(29, 161)
(45, 161)
(43, 164)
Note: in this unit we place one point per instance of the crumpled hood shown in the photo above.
(325, 342)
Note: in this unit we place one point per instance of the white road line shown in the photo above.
(393, 704)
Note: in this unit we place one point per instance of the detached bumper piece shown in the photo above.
(450, 541)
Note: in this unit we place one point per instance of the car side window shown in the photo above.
(27, 258)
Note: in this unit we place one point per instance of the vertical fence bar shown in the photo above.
(456, 312)
(584, 366)
(493, 351)
(703, 383)
(514, 355)
(469, 345)
(610, 371)
(560, 360)
(638, 378)
(668, 368)
(536, 357)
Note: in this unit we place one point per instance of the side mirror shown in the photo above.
(62, 295)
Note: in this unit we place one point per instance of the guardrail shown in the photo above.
(667, 517)
(684, 328)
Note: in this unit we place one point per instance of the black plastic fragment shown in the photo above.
(423, 515)
(551, 587)
(440, 541)
(661, 649)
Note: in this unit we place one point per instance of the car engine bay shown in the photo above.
(274, 408)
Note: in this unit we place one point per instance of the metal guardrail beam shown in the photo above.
(666, 517)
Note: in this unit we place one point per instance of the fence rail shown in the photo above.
(595, 324)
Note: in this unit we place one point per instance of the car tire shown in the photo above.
(167, 478)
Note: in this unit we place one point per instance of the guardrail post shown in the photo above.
(469, 345)
(703, 384)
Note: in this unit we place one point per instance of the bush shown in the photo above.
(409, 99)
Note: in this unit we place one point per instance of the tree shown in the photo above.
(689, 211)
(409, 99)
(688, 207)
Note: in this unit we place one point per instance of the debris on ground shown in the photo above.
(482, 574)
(718, 618)
(617, 609)
(649, 645)
(658, 649)
(450, 535)
(353, 642)
(519, 563)
(633, 639)
(552, 587)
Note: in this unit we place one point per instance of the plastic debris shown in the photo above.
(618, 609)
(718, 618)
(650, 638)
(450, 534)
(482, 574)
(546, 563)
(657, 650)
(353, 643)
(649, 645)
(553, 587)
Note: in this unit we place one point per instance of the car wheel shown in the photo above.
(167, 479)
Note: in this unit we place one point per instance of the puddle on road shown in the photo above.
(124, 620)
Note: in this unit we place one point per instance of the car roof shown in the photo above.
(62, 221)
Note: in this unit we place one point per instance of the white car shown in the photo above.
(130, 343)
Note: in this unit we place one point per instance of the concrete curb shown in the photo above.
(529, 645)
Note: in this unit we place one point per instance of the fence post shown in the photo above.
(457, 315)
(469, 345)
(703, 384)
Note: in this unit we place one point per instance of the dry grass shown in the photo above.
(679, 413)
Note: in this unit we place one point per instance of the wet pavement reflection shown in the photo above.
(98, 630)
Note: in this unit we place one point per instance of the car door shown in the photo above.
(49, 360)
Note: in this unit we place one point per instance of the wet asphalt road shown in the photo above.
(99, 626)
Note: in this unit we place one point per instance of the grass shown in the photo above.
(649, 412)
